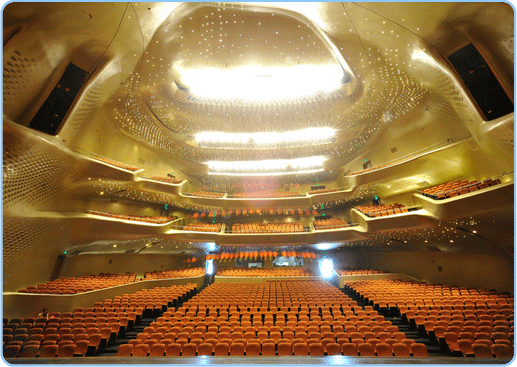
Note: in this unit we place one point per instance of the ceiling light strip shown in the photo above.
(267, 173)
(267, 167)
(307, 136)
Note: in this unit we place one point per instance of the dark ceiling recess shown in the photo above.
(433, 248)
(481, 82)
(51, 114)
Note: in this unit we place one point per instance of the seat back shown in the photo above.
(419, 350)
(157, 350)
(66, 351)
(29, 351)
(401, 350)
(188, 350)
(204, 349)
(173, 350)
(300, 349)
(365, 349)
(11, 351)
(140, 350)
(502, 350)
(124, 350)
(221, 349)
(253, 349)
(481, 350)
(49, 351)
(316, 349)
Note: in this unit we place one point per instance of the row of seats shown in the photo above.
(85, 331)
(458, 187)
(138, 218)
(375, 211)
(172, 180)
(272, 318)
(207, 194)
(332, 223)
(245, 273)
(359, 272)
(457, 319)
(73, 285)
(267, 227)
(255, 253)
(203, 227)
(167, 347)
(253, 211)
(177, 273)
(118, 164)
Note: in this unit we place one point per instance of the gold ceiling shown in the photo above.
(397, 87)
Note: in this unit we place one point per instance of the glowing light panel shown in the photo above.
(267, 167)
(210, 267)
(326, 268)
(258, 84)
(307, 136)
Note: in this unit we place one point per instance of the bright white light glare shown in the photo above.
(252, 83)
(419, 55)
(210, 267)
(267, 167)
(324, 246)
(326, 268)
(211, 246)
(313, 135)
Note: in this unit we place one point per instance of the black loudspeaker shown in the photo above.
(51, 114)
(481, 82)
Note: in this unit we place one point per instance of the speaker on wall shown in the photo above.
(49, 117)
(481, 82)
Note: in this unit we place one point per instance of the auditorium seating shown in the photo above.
(206, 194)
(375, 211)
(258, 253)
(117, 164)
(333, 223)
(72, 285)
(359, 272)
(264, 272)
(288, 227)
(85, 331)
(172, 180)
(275, 318)
(137, 218)
(456, 318)
(177, 273)
(458, 187)
(203, 227)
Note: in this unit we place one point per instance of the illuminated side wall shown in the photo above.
(460, 269)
